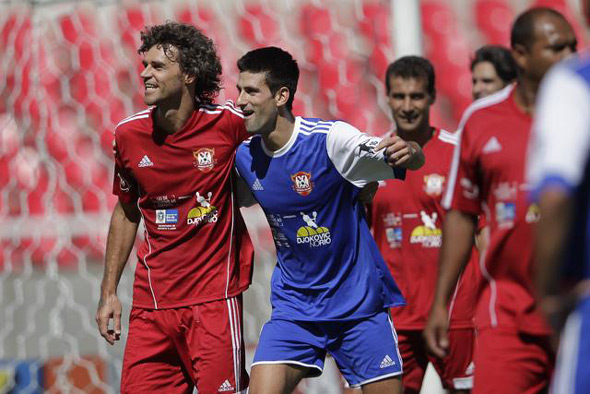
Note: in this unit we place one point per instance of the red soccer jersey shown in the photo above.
(407, 225)
(196, 247)
(488, 174)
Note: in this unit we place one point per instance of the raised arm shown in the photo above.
(121, 237)
(458, 229)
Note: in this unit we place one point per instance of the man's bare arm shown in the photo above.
(458, 229)
(121, 237)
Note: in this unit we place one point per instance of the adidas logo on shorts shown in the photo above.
(387, 362)
(226, 386)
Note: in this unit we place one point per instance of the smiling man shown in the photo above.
(331, 289)
(173, 170)
(492, 68)
(513, 352)
(407, 218)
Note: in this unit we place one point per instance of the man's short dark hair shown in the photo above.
(280, 69)
(197, 55)
(411, 67)
(500, 58)
(523, 29)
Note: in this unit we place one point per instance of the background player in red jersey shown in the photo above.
(512, 353)
(492, 68)
(174, 170)
(407, 219)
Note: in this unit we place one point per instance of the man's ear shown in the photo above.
(282, 96)
(519, 54)
(189, 79)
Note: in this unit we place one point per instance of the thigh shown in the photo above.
(151, 363)
(415, 360)
(214, 350)
(366, 350)
(292, 343)
(571, 373)
(457, 368)
(276, 378)
(510, 362)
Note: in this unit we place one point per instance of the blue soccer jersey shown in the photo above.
(560, 158)
(329, 267)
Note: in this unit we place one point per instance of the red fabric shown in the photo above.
(509, 362)
(457, 365)
(206, 254)
(172, 350)
(490, 177)
(402, 207)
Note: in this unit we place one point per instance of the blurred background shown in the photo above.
(69, 71)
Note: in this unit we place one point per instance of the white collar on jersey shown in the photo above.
(285, 148)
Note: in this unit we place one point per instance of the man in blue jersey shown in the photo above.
(559, 173)
(331, 288)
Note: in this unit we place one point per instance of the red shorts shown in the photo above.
(511, 362)
(455, 370)
(174, 350)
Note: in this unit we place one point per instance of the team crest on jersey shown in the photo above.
(428, 235)
(205, 213)
(312, 234)
(433, 184)
(205, 159)
(123, 183)
(302, 183)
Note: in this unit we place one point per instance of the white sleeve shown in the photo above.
(352, 154)
(560, 140)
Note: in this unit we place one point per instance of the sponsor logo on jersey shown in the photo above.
(433, 184)
(312, 234)
(533, 214)
(166, 219)
(368, 146)
(428, 235)
(205, 159)
(394, 236)
(205, 213)
(145, 162)
(505, 214)
(386, 362)
(257, 185)
(124, 184)
(506, 191)
(302, 183)
(225, 386)
(164, 201)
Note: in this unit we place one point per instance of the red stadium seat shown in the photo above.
(315, 20)
(258, 27)
(438, 18)
(375, 22)
(494, 19)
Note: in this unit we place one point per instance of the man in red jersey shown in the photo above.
(174, 170)
(513, 353)
(406, 220)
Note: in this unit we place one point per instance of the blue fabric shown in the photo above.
(329, 267)
(365, 350)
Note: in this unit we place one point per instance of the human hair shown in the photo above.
(280, 69)
(411, 67)
(196, 56)
(523, 29)
(500, 58)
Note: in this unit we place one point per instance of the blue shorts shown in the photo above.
(365, 350)
(573, 358)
